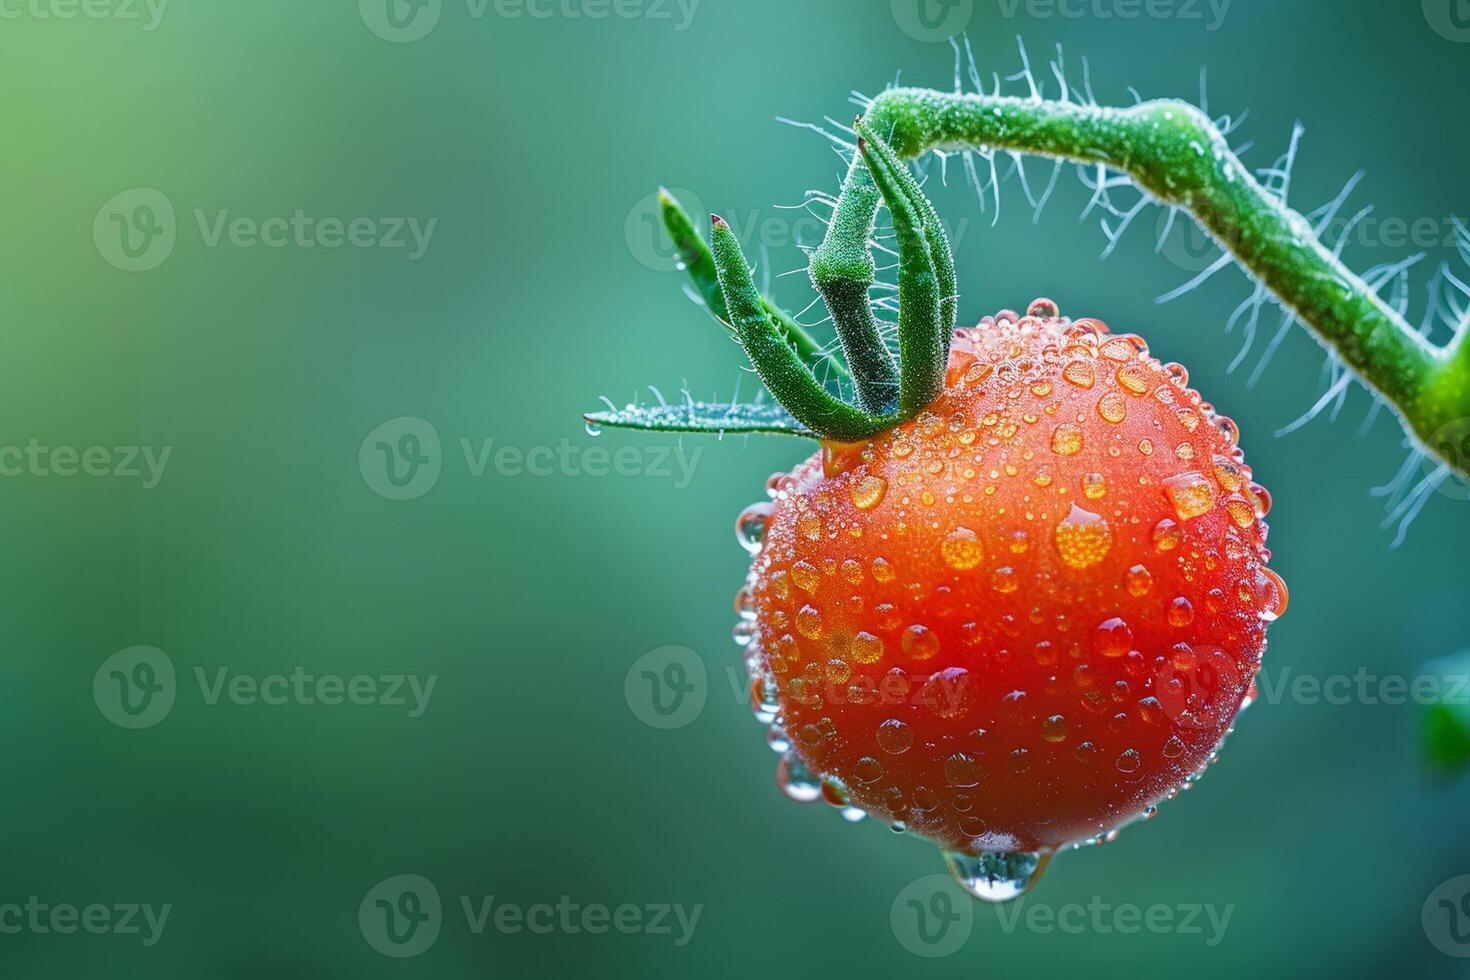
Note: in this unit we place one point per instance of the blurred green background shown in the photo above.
(532, 136)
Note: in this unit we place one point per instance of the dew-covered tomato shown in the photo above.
(1020, 619)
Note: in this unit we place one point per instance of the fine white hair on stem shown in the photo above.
(1116, 203)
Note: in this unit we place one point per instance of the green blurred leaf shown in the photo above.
(1445, 725)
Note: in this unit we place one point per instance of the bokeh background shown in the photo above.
(531, 136)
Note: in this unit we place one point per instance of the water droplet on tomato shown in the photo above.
(1066, 440)
(867, 491)
(1113, 407)
(1167, 535)
(993, 877)
(895, 737)
(961, 549)
(1192, 494)
(1080, 373)
(920, 642)
(1271, 589)
(1133, 377)
(797, 781)
(1083, 538)
(1228, 474)
(962, 769)
(777, 739)
(1241, 512)
(809, 622)
(750, 526)
(1181, 611)
(866, 648)
(869, 770)
(1113, 638)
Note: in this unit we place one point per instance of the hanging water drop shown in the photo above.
(797, 781)
(994, 877)
(777, 738)
(750, 526)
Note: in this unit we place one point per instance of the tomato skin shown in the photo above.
(1017, 620)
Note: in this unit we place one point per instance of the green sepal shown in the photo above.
(782, 371)
(694, 252)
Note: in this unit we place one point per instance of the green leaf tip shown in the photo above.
(780, 368)
(695, 255)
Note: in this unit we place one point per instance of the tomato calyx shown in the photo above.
(784, 354)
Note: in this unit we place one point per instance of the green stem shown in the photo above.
(926, 278)
(1173, 151)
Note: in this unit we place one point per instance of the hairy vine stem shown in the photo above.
(1172, 150)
